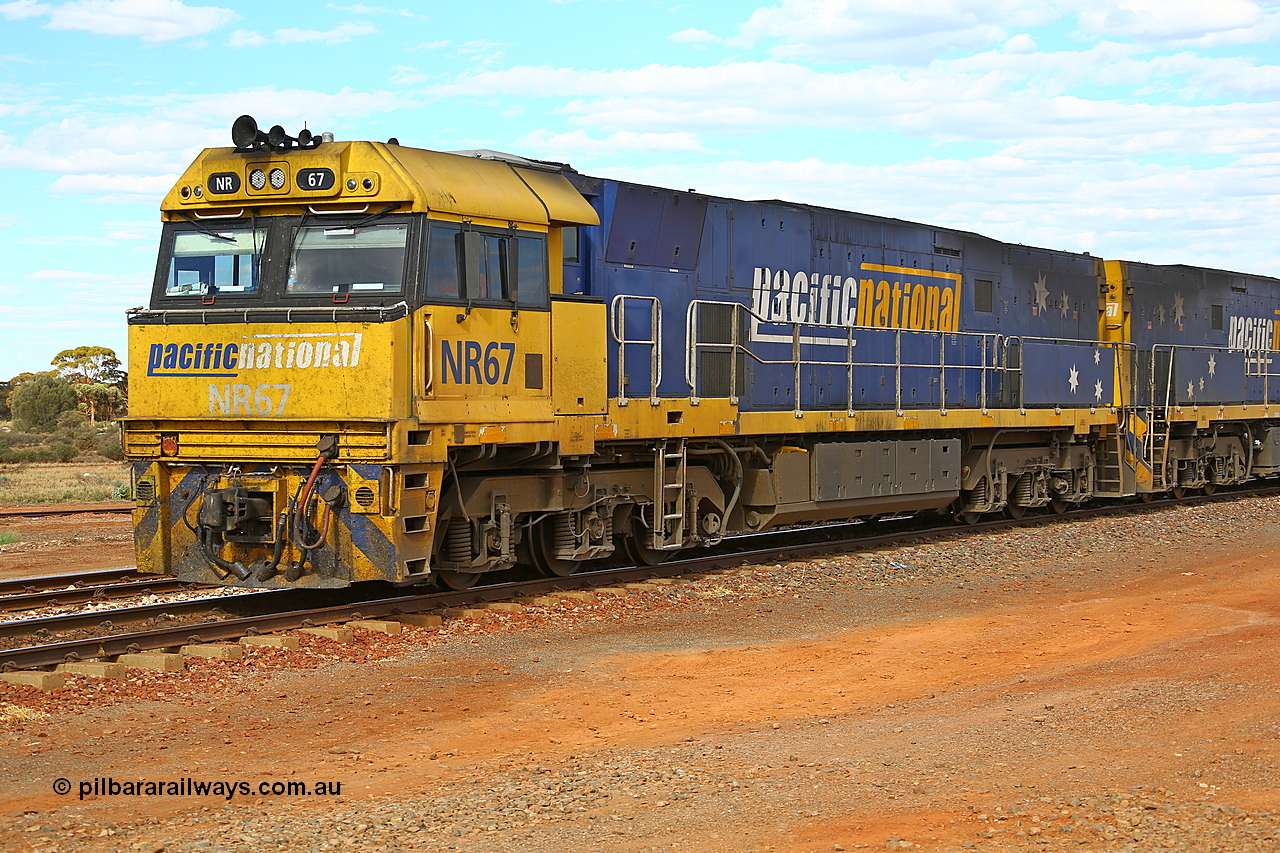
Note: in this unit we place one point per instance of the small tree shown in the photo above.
(100, 400)
(89, 366)
(38, 402)
(95, 372)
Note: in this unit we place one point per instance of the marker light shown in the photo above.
(257, 179)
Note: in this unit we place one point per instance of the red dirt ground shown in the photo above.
(822, 717)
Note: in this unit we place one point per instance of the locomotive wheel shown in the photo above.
(542, 549)
(1147, 497)
(1015, 510)
(1059, 505)
(459, 580)
(1210, 488)
(969, 517)
(630, 538)
(1179, 492)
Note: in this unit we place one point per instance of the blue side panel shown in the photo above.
(1207, 376)
(928, 309)
(1068, 375)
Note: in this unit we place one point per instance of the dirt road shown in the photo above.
(1096, 685)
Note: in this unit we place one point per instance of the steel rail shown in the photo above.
(97, 592)
(52, 511)
(133, 615)
(48, 583)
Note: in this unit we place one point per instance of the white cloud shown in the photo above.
(131, 236)
(116, 189)
(578, 142)
(998, 97)
(360, 9)
(288, 107)
(694, 36)
(407, 75)
(1178, 22)
(1021, 43)
(101, 144)
(247, 38)
(337, 35)
(292, 35)
(23, 9)
(150, 20)
(74, 276)
(902, 32)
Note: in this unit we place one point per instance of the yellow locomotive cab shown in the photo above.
(296, 385)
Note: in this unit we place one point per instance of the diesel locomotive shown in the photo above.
(367, 361)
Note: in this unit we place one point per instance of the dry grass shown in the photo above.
(51, 483)
(13, 715)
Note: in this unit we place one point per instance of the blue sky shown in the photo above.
(1137, 129)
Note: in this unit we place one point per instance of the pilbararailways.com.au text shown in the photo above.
(107, 786)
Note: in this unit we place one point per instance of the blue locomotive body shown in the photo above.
(882, 313)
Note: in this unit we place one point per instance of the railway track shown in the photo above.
(49, 512)
(84, 595)
(297, 615)
(80, 580)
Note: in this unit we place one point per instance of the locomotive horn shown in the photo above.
(245, 134)
(278, 138)
(304, 138)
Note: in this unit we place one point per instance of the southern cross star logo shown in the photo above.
(1042, 292)
(1178, 314)
(1097, 356)
(1097, 389)
(1160, 314)
(1074, 379)
(1213, 364)
(1064, 303)
(1191, 389)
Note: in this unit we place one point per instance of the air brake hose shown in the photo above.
(211, 552)
(328, 450)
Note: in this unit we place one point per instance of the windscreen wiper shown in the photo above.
(372, 216)
(205, 231)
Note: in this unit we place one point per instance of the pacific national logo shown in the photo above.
(892, 298)
(1253, 333)
(308, 351)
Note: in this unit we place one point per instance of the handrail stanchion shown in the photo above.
(897, 371)
(736, 340)
(982, 392)
(849, 344)
(795, 358)
(655, 353)
(691, 327)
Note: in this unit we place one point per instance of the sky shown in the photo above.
(1135, 129)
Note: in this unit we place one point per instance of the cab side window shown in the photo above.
(487, 265)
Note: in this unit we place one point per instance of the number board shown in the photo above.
(223, 183)
(315, 179)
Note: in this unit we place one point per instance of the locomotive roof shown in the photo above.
(373, 175)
